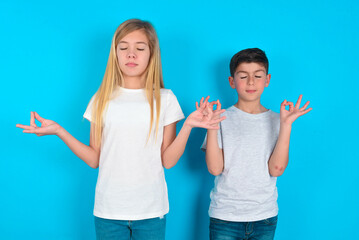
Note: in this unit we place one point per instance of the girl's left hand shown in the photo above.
(204, 116)
(289, 116)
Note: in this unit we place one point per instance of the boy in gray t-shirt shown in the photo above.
(248, 153)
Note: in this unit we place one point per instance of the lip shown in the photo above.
(131, 64)
(251, 91)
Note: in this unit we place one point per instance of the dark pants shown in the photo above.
(147, 229)
(227, 230)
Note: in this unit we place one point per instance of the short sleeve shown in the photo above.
(88, 112)
(173, 111)
(219, 139)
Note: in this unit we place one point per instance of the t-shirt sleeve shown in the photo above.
(219, 139)
(173, 111)
(88, 112)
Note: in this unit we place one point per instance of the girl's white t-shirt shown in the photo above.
(131, 184)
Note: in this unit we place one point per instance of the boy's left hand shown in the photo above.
(289, 116)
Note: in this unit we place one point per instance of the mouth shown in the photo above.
(131, 64)
(251, 91)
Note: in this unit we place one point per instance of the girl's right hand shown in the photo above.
(204, 116)
(48, 127)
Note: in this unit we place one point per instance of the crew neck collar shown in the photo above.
(251, 115)
(131, 90)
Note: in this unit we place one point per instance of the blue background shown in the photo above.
(53, 57)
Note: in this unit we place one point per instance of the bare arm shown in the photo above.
(89, 154)
(214, 154)
(280, 156)
(172, 146)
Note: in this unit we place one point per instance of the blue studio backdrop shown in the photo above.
(53, 57)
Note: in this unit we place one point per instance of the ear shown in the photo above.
(231, 82)
(267, 80)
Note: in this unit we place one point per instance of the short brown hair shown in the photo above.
(248, 55)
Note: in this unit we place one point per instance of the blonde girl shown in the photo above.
(132, 137)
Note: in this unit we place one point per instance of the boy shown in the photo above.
(248, 153)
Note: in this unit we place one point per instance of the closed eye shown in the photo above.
(123, 48)
(140, 49)
(258, 76)
(243, 77)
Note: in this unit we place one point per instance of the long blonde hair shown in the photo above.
(113, 75)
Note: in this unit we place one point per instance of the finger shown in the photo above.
(29, 131)
(306, 111)
(35, 130)
(197, 105)
(218, 120)
(40, 119)
(32, 119)
(24, 126)
(201, 102)
(218, 112)
(212, 103)
(298, 101)
(209, 112)
(283, 104)
(219, 105)
(305, 106)
(206, 100)
(291, 106)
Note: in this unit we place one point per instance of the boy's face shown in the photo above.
(249, 80)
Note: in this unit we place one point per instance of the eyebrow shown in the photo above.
(260, 70)
(135, 42)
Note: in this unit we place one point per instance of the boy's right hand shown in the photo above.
(204, 117)
(210, 113)
(48, 127)
(216, 113)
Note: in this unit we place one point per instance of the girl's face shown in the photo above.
(133, 54)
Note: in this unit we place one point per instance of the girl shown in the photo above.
(132, 137)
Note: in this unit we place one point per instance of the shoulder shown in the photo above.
(229, 111)
(274, 115)
(166, 92)
(167, 95)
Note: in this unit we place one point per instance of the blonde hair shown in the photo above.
(113, 75)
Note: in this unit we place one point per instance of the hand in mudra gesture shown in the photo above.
(204, 116)
(48, 127)
(289, 116)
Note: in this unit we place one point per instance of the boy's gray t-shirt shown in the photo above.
(245, 191)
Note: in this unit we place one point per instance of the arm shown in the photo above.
(89, 154)
(172, 146)
(280, 156)
(214, 154)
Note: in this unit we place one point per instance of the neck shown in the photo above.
(254, 107)
(134, 82)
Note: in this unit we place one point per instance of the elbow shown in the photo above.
(94, 165)
(277, 171)
(167, 165)
(276, 174)
(215, 172)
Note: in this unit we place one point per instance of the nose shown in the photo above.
(131, 54)
(250, 80)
